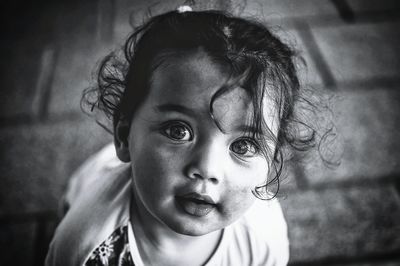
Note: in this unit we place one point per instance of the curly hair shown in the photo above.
(257, 61)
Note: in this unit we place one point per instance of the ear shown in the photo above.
(121, 135)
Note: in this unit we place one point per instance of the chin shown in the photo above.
(191, 228)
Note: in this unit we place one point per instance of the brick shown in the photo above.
(17, 93)
(29, 70)
(367, 122)
(383, 5)
(17, 243)
(282, 9)
(46, 225)
(347, 222)
(361, 262)
(131, 14)
(24, 46)
(105, 20)
(288, 181)
(26, 32)
(361, 51)
(38, 159)
(80, 50)
(126, 17)
(308, 73)
(73, 74)
(68, 29)
(385, 262)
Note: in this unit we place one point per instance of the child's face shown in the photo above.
(187, 174)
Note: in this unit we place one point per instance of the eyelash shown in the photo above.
(166, 131)
(255, 148)
(170, 125)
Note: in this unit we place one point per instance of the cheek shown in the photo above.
(145, 176)
(152, 169)
(239, 196)
(238, 201)
(253, 175)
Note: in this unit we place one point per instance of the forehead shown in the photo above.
(193, 79)
(186, 76)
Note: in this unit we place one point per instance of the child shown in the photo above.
(202, 110)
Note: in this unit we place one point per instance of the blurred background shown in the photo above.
(349, 215)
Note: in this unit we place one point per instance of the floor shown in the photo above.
(343, 215)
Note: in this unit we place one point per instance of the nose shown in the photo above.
(206, 162)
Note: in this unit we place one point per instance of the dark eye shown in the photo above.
(178, 131)
(244, 147)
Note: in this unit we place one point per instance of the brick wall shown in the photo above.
(347, 215)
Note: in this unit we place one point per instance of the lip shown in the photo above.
(200, 197)
(196, 204)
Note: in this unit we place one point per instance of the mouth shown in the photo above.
(196, 204)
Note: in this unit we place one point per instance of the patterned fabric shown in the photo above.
(114, 251)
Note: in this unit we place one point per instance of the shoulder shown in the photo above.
(261, 235)
(93, 171)
(99, 196)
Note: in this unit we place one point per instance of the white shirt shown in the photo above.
(99, 194)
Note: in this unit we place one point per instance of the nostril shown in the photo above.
(196, 175)
(199, 176)
(214, 180)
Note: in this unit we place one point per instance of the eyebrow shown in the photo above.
(249, 128)
(168, 107)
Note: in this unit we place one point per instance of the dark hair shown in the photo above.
(256, 60)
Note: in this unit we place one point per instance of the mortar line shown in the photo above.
(316, 54)
(397, 187)
(27, 217)
(24, 120)
(344, 10)
(350, 182)
(390, 256)
(329, 20)
(45, 81)
(299, 175)
(40, 241)
(105, 20)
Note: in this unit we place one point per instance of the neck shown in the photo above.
(158, 243)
